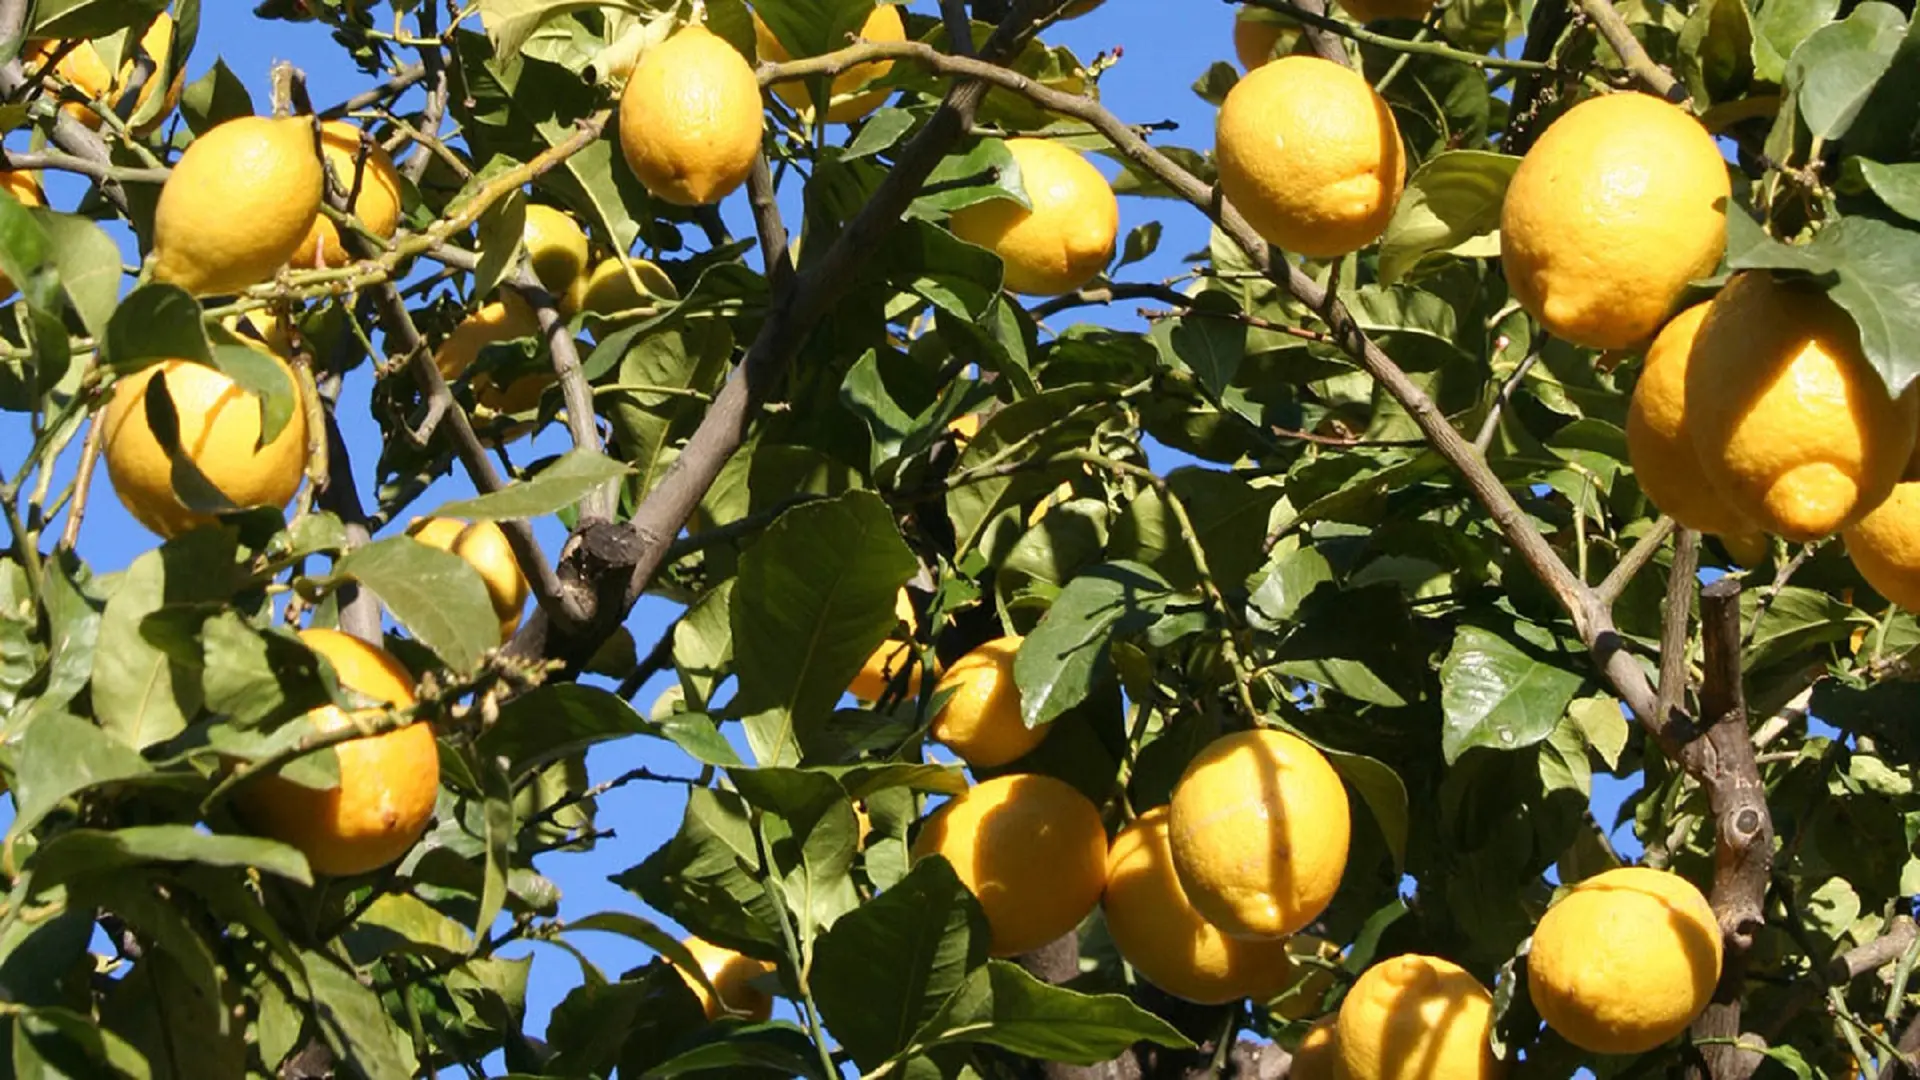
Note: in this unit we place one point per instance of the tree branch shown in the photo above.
(1320, 27)
(1641, 66)
(597, 505)
(1635, 560)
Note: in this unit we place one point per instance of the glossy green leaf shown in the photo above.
(1451, 204)
(1061, 660)
(1834, 70)
(1001, 1005)
(93, 851)
(433, 593)
(551, 490)
(1499, 694)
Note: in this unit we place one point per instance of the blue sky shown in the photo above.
(1162, 58)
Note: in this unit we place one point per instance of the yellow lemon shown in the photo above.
(238, 205)
(1260, 829)
(1625, 960)
(981, 722)
(556, 247)
(1030, 848)
(690, 118)
(1316, 1058)
(1416, 1018)
(388, 782)
(376, 199)
(1658, 445)
(83, 67)
(965, 427)
(1885, 546)
(483, 544)
(609, 291)
(732, 975)
(1618, 206)
(1067, 237)
(1311, 155)
(883, 25)
(219, 435)
(1366, 11)
(502, 320)
(1790, 422)
(1748, 549)
(25, 188)
(1302, 994)
(1254, 39)
(890, 659)
(1165, 940)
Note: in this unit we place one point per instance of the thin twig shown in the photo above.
(395, 85)
(1492, 423)
(82, 484)
(1675, 634)
(1635, 560)
(1319, 20)
(596, 505)
(1775, 588)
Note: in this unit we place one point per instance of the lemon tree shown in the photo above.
(1406, 579)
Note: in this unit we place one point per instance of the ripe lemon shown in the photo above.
(1066, 239)
(732, 976)
(1416, 1018)
(690, 118)
(1165, 940)
(1625, 960)
(981, 722)
(1618, 206)
(1311, 155)
(1885, 546)
(1308, 986)
(25, 188)
(237, 205)
(484, 545)
(83, 67)
(388, 782)
(219, 434)
(1366, 11)
(1316, 1058)
(1260, 829)
(965, 427)
(1658, 444)
(501, 320)
(609, 291)
(1030, 848)
(1791, 424)
(883, 25)
(890, 659)
(1254, 39)
(556, 248)
(376, 200)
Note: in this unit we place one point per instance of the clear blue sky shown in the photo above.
(1162, 59)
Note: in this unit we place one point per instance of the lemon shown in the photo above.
(1366, 11)
(1790, 422)
(1165, 940)
(846, 106)
(501, 320)
(483, 544)
(965, 427)
(1302, 994)
(376, 200)
(732, 975)
(1260, 829)
(981, 722)
(1316, 1058)
(1030, 848)
(1885, 546)
(891, 658)
(690, 118)
(1618, 206)
(1311, 155)
(1254, 39)
(219, 435)
(83, 67)
(1658, 445)
(609, 291)
(25, 189)
(1416, 1018)
(556, 248)
(237, 205)
(1067, 237)
(388, 782)
(1625, 960)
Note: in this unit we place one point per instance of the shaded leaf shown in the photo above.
(435, 594)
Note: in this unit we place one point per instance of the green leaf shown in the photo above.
(1834, 70)
(500, 235)
(1604, 726)
(811, 27)
(435, 594)
(1142, 241)
(1716, 50)
(89, 265)
(553, 721)
(885, 968)
(1061, 660)
(1040, 425)
(1898, 186)
(87, 19)
(259, 374)
(355, 1024)
(983, 173)
(498, 818)
(1452, 204)
(700, 878)
(73, 610)
(214, 98)
(1499, 694)
(1870, 268)
(636, 1022)
(811, 830)
(1780, 28)
(154, 323)
(1001, 1005)
(555, 488)
(49, 1043)
(1384, 793)
(881, 132)
(253, 676)
(1211, 342)
(59, 755)
(815, 598)
(946, 271)
(777, 1049)
(397, 921)
(1797, 621)
(80, 852)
